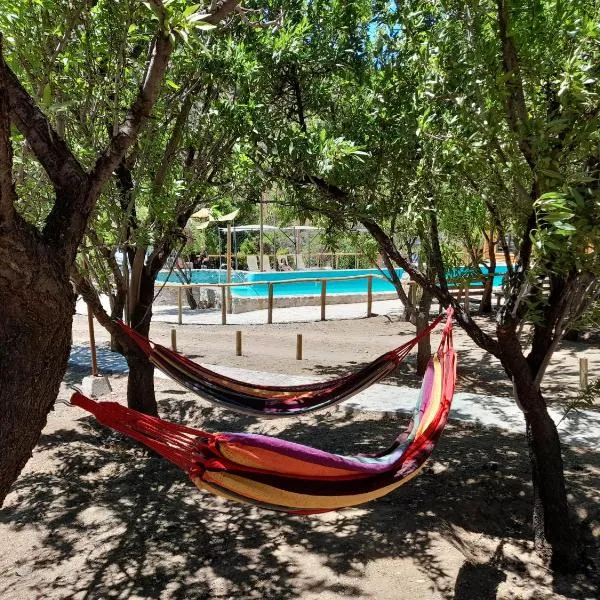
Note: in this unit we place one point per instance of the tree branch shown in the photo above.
(221, 10)
(482, 339)
(63, 169)
(8, 195)
(436, 251)
(67, 221)
(516, 109)
(87, 291)
(173, 143)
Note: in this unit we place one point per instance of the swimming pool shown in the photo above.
(260, 281)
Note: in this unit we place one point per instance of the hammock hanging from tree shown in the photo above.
(269, 400)
(285, 476)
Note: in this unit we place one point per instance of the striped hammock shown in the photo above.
(284, 476)
(270, 400)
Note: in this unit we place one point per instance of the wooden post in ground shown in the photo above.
(270, 303)
(174, 340)
(356, 261)
(180, 306)
(238, 343)
(92, 341)
(583, 373)
(412, 292)
(370, 296)
(223, 305)
(299, 346)
(323, 297)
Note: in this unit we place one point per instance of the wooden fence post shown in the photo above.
(223, 305)
(323, 297)
(270, 303)
(583, 373)
(92, 341)
(299, 346)
(174, 340)
(180, 306)
(370, 296)
(238, 343)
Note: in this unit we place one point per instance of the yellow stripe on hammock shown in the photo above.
(273, 495)
(435, 399)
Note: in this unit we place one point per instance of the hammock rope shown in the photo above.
(270, 400)
(285, 476)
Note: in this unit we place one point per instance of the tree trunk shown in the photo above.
(424, 346)
(35, 331)
(552, 527)
(183, 278)
(485, 308)
(140, 386)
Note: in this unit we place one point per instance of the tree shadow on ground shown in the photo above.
(80, 361)
(136, 527)
(475, 374)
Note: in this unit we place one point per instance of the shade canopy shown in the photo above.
(245, 228)
(204, 213)
(302, 228)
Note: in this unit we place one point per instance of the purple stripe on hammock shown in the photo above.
(369, 465)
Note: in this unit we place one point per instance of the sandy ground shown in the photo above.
(94, 517)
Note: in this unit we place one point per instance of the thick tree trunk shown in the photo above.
(140, 386)
(552, 526)
(485, 307)
(35, 338)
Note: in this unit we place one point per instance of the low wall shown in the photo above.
(205, 297)
(241, 304)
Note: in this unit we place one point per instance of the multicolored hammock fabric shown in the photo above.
(285, 476)
(269, 400)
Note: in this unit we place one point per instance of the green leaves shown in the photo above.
(568, 232)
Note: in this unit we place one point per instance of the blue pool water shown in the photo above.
(301, 288)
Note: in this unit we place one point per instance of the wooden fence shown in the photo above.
(226, 293)
(463, 290)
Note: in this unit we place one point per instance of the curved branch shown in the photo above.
(63, 169)
(482, 339)
(220, 10)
